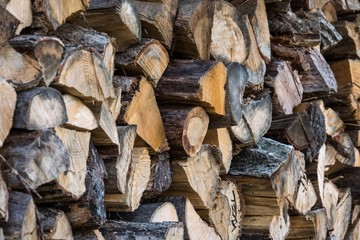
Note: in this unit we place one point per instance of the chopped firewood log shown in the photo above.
(285, 85)
(7, 109)
(83, 74)
(197, 177)
(221, 138)
(192, 40)
(157, 19)
(54, 224)
(333, 122)
(8, 24)
(1, 234)
(343, 215)
(256, 121)
(49, 15)
(312, 225)
(349, 46)
(19, 69)
(74, 34)
(194, 226)
(228, 211)
(117, 230)
(139, 107)
(308, 4)
(315, 73)
(346, 6)
(347, 74)
(117, 161)
(4, 198)
(115, 103)
(149, 58)
(329, 11)
(185, 129)
(22, 10)
(259, 21)
(89, 211)
(194, 82)
(105, 133)
(355, 137)
(160, 177)
(229, 24)
(354, 228)
(22, 217)
(347, 178)
(39, 108)
(47, 51)
(79, 115)
(38, 156)
(122, 21)
(151, 213)
(138, 178)
(88, 235)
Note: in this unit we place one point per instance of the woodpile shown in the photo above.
(180, 119)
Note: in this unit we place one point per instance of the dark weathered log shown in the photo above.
(194, 82)
(39, 108)
(157, 19)
(117, 230)
(119, 19)
(8, 24)
(139, 107)
(22, 217)
(347, 6)
(54, 224)
(88, 235)
(353, 231)
(39, 157)
(308, 4)
(192, 40)
(149, 58)
(7, 109)
(4, 198)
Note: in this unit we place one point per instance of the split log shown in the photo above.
(39, 157)
(39, 108)
(346, 6)
(197, 177)
(117, 230)
(79, 115)
(115, 103)
(139, 107)
(354, 228)
(285, 86)
(88, 235)
(256, 121)
(83, 74)
(22, 217)
(347, 74)
(221, 138)
(149, 58)
(50, 15)
(228, 211)
(346, 178)
(157, 19)
(151, 213)
(20, 70)
(54, 224)
(192, 40)
(7, 109)
(47, 51)
(23, 14)
(259, 21)
(122, 21)
(105, 133)
(229, 24)
(138, 178)
(315, 73)
(343, 215)
(308, 5)
(333, 123)
(329, 11)
(87, 37)
(195, 82)
(117, 162)
(9, 23)
(4, 198)
(185, 129)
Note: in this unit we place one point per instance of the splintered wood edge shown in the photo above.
(129, 16)
(165, 213)
(62, 228)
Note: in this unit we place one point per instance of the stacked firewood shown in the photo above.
(189, 119)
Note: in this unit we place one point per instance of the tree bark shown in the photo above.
(54, 224)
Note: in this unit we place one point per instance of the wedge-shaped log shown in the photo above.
(4, 198)
(197, 177)
(139, 108)
(50, 15)
(24, 13)
(7, 108)
(54, 224)
(192, 40)
(47, 51)
(194, 82)
(157, 19)
(122, 21)
(39, 108)
(148, 58)
(38, 156)
(8, 23)
(22, 217)
(347, 75)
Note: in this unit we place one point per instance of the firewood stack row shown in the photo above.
(189, 119)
